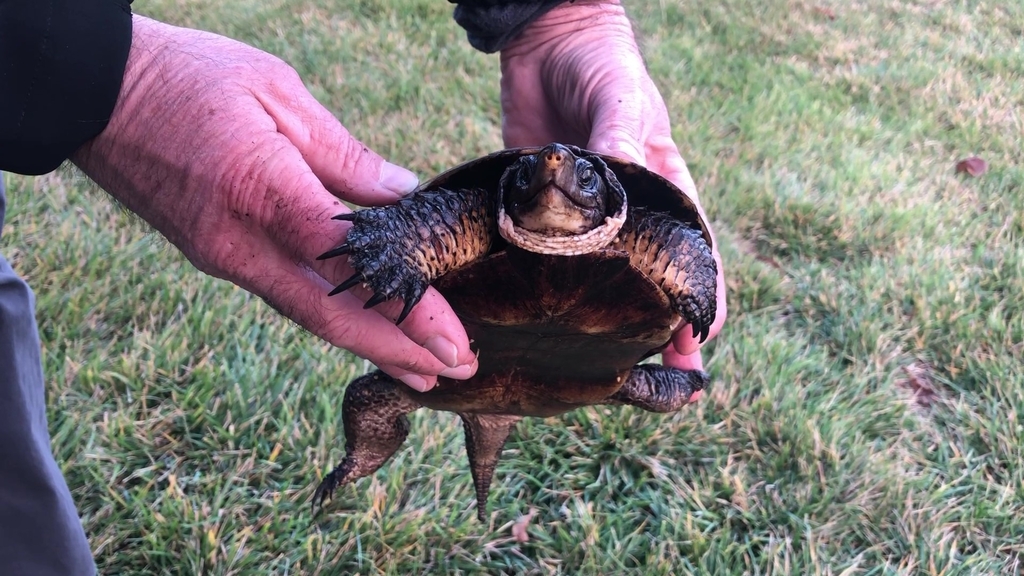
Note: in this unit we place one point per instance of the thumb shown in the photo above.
(619, 145)
(345, 166)
(617, 131)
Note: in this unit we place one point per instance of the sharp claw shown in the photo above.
(355, 279)
(696, 329)
(347, 216)
(343, 249)
(377, 298)
(405, 311)
(704, 333)
(318, 500)
(411, 297)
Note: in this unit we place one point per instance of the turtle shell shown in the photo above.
(555, 332)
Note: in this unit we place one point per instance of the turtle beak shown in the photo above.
(556, 165)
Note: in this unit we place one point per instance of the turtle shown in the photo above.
(567, 269)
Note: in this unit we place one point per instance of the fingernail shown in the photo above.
(696, 396)
(444, 350)
(626, 150)
(460, 372)
(397, 179)
(416, 382)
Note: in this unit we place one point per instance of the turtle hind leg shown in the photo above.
(659, 388)
(373, 412)
(398, 250)
(485, 437)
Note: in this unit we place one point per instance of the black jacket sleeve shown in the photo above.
(491, 24)
(61, 67)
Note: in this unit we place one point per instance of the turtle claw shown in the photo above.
(405, 311)
(387, 282)
(340, 250)
(377, 298)
(390, 255)
(352, 281)
(411, 297)
(324, 492)
(702, 330)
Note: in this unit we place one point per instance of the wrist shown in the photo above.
(581, 21)
(142, 53)
(152, 48)
(152, 94)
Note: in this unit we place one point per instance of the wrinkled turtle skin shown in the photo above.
(566, 267)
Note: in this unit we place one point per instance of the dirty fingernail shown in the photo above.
(416, 382)
(460, 372)
(443, 349)
(397, 179)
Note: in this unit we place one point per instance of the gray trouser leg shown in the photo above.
(40, 533)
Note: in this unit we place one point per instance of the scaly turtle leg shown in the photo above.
(659, 388)
(373, 413)
(676, 257)
(398, 250)
(485, 437)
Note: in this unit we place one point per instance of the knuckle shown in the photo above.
(247, 186)
(418, 365)
(217, 251)
(354, 154)
(343, 332)
(278, 72)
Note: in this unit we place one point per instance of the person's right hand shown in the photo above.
(221, 148)
(576, 76)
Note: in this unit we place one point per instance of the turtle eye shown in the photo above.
(524, 172)
(522, 177)
(586, 174)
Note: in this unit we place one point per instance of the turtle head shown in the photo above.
(556, 192)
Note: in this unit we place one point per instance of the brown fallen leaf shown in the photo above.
(519, 528)
(826, 12)
(919, 383)
(974, 166)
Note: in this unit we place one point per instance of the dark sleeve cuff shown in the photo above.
(490, 25)
(61, 67)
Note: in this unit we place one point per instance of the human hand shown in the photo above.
(576, 76)
(220, 147)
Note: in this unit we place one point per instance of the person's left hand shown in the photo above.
(576, 76)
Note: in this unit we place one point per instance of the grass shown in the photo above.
(867, 411)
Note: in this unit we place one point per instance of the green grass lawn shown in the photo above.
(867, 410)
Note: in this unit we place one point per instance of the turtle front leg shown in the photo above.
(485, 438)
(676, 257)
(373, 413)
(398, 250)
(659, 388)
